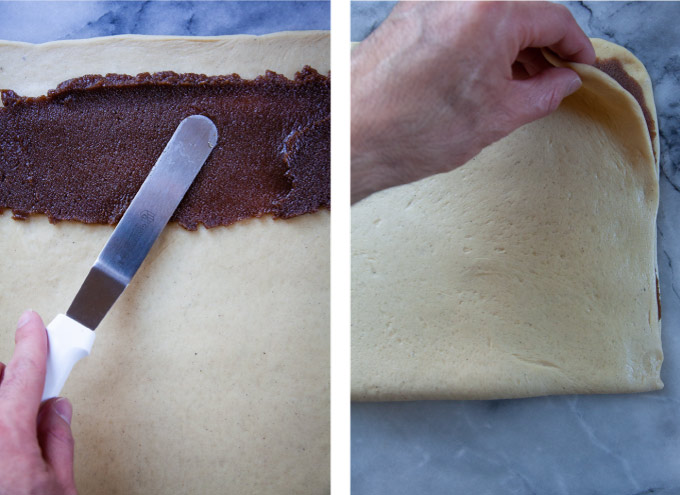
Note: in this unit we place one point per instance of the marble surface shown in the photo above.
(616, 444)
(38, 22)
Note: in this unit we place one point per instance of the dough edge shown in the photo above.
(376, 378)
(242, 399)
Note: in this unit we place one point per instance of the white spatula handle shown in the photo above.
(69, 341)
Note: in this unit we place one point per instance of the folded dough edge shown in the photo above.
(529, 271)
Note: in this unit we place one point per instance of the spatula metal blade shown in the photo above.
(145, 218)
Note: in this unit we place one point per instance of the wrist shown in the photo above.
(368, 174)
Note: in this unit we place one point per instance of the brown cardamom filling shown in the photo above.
(614, 69)
(82, 152)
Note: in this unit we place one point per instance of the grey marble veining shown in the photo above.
(366, 16)
(585, 445)
(38, 22)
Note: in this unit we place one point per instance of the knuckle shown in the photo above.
(480, 9)
(42, 482)
(480, 14)
(485, 9)
(560, 10)
(563, 14)
(23, 368)
(503, 122)
(27, 475)
(505, 117)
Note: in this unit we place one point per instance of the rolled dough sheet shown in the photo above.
(211, 373)
(531, 270)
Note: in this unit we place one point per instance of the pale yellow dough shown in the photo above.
(211, 373)
(531, 270)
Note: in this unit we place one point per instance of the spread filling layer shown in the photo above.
(614, 69)
(82, 151)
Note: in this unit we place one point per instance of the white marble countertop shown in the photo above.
(41, 21)
(585, 445)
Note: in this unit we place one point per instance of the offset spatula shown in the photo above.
(71, 335)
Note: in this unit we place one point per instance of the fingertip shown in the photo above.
(63, 408)
(30, 330)
(56, 406)
(24, 376)
(554, 26)
(25, 317)
(28, 319)
(573, 86)
(583, 55)
(541, 94)
(587, 54)
(29, 327)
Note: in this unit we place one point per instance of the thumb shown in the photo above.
(541, 94)
(56, 440)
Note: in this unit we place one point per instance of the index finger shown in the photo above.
(24, 376)
(552, 26)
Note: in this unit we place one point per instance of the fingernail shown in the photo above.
(63, 408)
(25, 317)
(574, 86)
